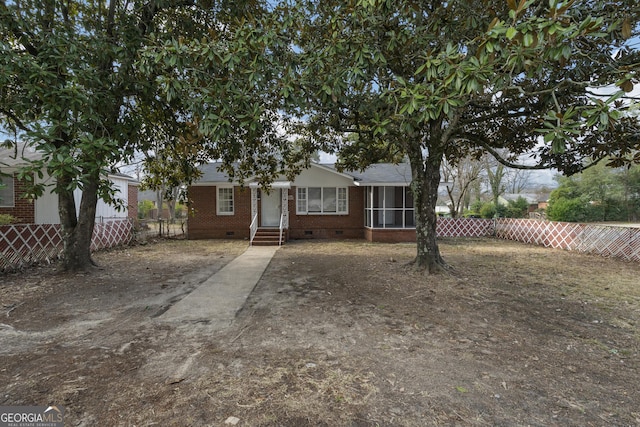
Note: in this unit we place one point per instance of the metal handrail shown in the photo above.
(253, 229)
(281, 228)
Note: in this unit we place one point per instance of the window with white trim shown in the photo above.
(322, 200)
(224, 202)
(301, 200)
(7, 199)
(342, 199)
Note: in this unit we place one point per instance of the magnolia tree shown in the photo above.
(369, 80)
(379, 80)
(73, 86)
(434, 81)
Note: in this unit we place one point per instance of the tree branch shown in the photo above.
(15, 119)
(499, 113)
(151, 8)
(17, 30)
(496, 155)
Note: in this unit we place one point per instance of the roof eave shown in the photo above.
(382, 184)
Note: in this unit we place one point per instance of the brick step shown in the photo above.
(268, 233)
(267, 237)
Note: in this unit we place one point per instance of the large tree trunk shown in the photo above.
(77, 230)
(425, 181)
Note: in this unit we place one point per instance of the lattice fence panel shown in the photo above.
(464, 227)
(111, 233)
(559, 235)
(27, 244)
(609, 241)
(618, 242)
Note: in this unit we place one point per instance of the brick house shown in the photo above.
(44, 209)
(321, 203)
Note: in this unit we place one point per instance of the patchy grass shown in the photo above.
(337, 333)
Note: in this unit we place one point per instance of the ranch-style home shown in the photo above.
(321, 203)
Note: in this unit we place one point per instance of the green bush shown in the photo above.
(490, 210)
(7, 219)
(181, 211)
(600, 193)
(570, 210)
(517, 208)
(474, 209)
(144, 206)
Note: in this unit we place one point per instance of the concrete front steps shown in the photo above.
(268, 237)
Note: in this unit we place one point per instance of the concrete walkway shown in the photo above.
(219, 298)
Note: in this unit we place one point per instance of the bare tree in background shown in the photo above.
(517, 180)
(495, 176)
(460, 179)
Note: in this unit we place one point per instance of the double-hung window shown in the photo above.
(322, 200)
(7, 200)
(225, 201)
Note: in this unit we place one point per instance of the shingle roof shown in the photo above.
(23, 154)
(18, 157)
(210, 173)
(384, 173)
(122, 175)
(529, 197)
(378, 174)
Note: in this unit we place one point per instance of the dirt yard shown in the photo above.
(335, 334)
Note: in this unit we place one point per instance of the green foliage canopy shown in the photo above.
(429, 81)
(82, 81)
(597, 194)
(458, 77)
(75, 86)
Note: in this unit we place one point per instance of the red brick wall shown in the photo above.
(203, 221)
(350, 226)
(23, 209)
(132, 208)
(390, 235)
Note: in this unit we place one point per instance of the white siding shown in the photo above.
(317, 176)
(46, 208)
(105, 211)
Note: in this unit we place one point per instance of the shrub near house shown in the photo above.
(7, 219)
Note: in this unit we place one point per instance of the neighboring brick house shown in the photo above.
(23, 210)
(321, 203)
(44, 209)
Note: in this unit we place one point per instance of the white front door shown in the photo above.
(270, 205)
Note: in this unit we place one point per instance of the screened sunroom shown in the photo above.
(389, 207)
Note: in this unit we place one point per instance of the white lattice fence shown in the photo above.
(111, 233)
(560, 235)
(26, 244)
(464, 227)
(619, 242)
